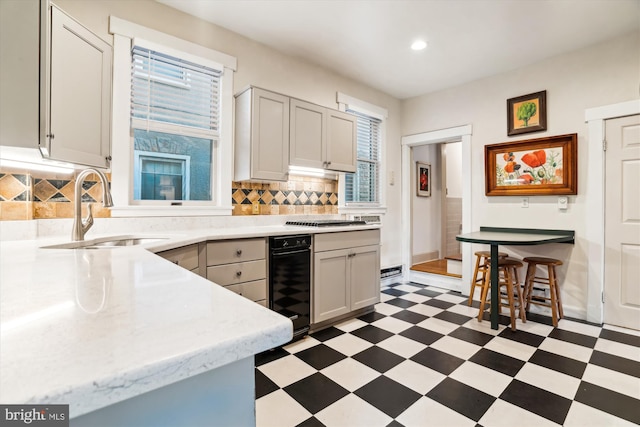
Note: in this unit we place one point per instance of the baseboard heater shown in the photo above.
(390, 272)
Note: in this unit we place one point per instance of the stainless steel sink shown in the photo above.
(107, 242)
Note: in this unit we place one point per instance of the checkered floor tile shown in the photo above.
(423, 359)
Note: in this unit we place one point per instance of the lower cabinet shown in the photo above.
(186, 257)
(240, 266)
(346, 273)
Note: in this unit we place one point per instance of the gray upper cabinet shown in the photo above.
(321, 137)
(69, 116)
(262, 136)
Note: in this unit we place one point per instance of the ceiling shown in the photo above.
(369, 40)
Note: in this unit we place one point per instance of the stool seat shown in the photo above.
(482, 266)
(508, 262)
(552, 301)
(542, 260)
(487, 254)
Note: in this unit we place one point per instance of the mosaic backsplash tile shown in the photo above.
(37, 196)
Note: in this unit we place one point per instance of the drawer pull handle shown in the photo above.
(238, 273)
(239, 252)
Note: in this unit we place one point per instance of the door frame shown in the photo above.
(595, 199)
(455, 134)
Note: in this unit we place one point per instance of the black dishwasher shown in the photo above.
(290, 280)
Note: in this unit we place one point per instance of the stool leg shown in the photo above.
(553, 295)
(557, 291)
(512, 310)
(483, 296)
(519, 293)
(528, 285)
(474, 281)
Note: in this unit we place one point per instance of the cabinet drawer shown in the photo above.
(229, 251)
(346, 239)
(230, 274)
(255, 290)
(186, 257)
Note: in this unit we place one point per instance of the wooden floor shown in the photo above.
(438, 266)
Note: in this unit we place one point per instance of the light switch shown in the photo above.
(524, 203)
(392, 178)
(563, 203)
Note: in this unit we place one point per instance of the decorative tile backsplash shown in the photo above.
(38, 196)
(299, 195)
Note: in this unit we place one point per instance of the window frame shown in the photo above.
(345, 103)
(126, 35)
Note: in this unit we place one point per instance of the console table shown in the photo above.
(495, 236)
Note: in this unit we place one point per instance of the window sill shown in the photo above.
(160, 211)
(362, 209)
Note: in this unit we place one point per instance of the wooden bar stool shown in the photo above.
(482, 267)
(507, 277)
(553, 300)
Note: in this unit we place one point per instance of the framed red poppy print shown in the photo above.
(533, 167)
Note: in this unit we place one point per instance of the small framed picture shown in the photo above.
(527, 113)
(423, 180)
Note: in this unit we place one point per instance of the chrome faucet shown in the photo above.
(80, 226)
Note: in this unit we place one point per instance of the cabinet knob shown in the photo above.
(239, 252)
(238, 273)
(50, 136)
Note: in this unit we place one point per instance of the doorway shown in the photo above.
(461, 134)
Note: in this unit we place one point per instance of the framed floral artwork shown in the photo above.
(534, 167)
(527, 113)
(423, 184)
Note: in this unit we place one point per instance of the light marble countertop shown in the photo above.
(94, 327)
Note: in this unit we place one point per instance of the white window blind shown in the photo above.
(363, 185)
(171, 92)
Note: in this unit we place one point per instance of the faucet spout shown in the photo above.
(80, 226)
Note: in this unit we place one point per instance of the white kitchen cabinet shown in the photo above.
(240, 266)
(56, 85)
(262, 136)
(346, 273)
(321, 137)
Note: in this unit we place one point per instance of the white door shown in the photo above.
(622, 223)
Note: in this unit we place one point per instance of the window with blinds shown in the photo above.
(175, 110)
(362, 187)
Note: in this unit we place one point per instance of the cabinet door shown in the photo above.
(270, 133)
(262, 136)
(365, 276)
(307, 134)
(19, 73)
(80, 94)
(331, 296)
(341, 141)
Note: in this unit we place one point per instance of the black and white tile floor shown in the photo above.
(422, 359)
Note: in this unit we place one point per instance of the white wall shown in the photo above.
(453, 158)
(602, 74)
(261, 66)
(426, 219)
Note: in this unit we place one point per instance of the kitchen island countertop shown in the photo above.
(94, 327)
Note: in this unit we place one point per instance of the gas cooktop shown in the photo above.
(326, 223)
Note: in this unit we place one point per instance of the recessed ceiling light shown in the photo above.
(419, 45)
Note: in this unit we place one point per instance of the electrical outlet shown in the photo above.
(256, 208)
(524, 203)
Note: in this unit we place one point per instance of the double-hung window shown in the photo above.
(174, 116)
(362, 191)
(363, 185)
(172, 140)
